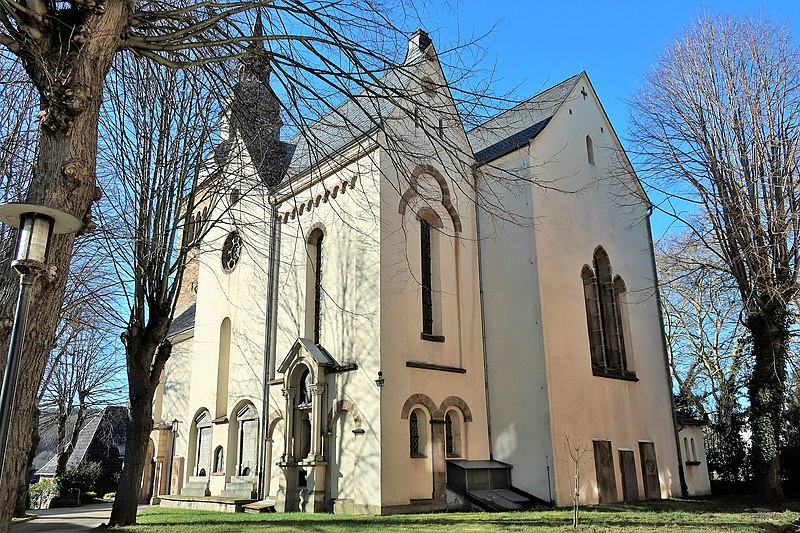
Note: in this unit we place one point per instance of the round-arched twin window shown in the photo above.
(231, 251)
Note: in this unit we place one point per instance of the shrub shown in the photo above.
(42, 492)
(82, 477)
(109, 495)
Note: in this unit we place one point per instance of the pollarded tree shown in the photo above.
(716, 126)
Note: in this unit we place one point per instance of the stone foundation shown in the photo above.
(205, 503)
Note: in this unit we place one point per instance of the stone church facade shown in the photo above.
(373, 328)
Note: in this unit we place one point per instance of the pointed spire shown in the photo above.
(256, 63)
(258, 31)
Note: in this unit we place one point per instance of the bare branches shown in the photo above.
(717, 122)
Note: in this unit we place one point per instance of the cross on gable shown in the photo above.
(583, 92)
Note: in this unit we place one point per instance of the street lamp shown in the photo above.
(36, 225)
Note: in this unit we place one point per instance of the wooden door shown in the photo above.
(652, 487)
(627, 468)
(604, 469)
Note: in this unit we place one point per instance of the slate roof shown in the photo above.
(184, 321)
(48, 435)
(320, 355)
(354, 118)
(101, 440)
(685, 419)
(517, 126)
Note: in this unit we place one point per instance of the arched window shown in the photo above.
(430, 275)
(694, 451)
(452, 433)
(427, 277)
(604, 296)
(593, 317)
(417, 434)
(687, 453)
(202, 443)
(219, 459)
(590, 149)
(315, 255)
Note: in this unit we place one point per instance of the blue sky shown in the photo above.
(536, 44)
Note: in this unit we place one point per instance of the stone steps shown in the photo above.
(239, 487)
(196, 486)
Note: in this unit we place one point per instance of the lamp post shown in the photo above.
(174, 430)
(36, 225)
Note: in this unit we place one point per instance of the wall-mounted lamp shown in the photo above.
(379, 382)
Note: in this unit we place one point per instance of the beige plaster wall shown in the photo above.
(695, 463)
(176, 389)
(405, 478)
(518, 387)
(347, 214)
(570, 227)
(593, 210)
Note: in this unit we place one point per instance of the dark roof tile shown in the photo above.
(184, 321)
(515, 127)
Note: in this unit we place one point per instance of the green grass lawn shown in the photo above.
(718, 515)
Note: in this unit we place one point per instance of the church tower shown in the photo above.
(255, 111)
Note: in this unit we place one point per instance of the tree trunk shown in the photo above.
(69, 447)
(770, 335)
(23, 500)
(139, 426)
(61, 435)
(63, 178)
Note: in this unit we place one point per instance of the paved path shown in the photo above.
(65, 520)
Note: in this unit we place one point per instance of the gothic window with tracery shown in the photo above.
(604, 296)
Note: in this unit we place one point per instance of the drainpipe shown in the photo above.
(269, 342)
(475, 174)
(681, 474)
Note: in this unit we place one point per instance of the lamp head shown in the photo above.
(36, 225)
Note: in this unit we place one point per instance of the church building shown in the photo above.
(390, 313)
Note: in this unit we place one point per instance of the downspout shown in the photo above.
(681, 473)
(269, 341)
(475, 174)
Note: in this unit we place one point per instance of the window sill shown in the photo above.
(692, 463)
(418, 456)
(431, 366)
(432, 338)
(625, 376)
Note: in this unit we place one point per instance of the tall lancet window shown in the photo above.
(606, 315)
(316, 261)
(427, 277)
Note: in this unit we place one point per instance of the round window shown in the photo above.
(231, 251)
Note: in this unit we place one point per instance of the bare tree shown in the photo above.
(575, 451)
(709, 356)
(716, 129)
(157, 130)
(84, 377)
